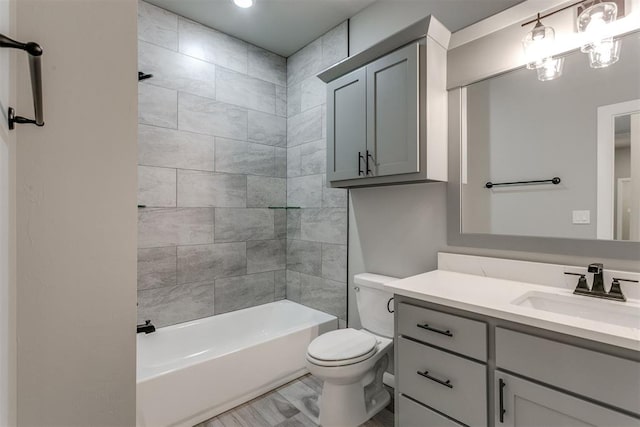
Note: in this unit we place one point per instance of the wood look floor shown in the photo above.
(293, 405)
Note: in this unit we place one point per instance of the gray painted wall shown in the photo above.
(76, 217)
(316, 233)
(212, 159)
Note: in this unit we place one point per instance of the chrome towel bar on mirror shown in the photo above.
(35, 68)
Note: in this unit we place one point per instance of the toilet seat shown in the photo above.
(342, 347)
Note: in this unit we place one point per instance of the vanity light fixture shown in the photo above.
(243, 3)
(537, 46)
(594, 22)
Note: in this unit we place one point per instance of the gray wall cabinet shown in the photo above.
(461, 368)
(386, 111)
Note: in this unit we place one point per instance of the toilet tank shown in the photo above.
(372, 300)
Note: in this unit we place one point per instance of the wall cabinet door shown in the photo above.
(347, 126)
(520, 403)
(392, 112)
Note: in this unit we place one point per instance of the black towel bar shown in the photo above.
(555, 180)
(35, 68)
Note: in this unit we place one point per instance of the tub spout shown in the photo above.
(147, 327)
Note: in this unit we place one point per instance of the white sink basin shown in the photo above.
(616, 313)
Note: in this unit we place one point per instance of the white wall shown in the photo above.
(7, 227)
(76, 216)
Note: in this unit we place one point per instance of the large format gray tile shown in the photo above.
(171, 226)
(305, 191)
(235, 293)
(235, 156)
(281, 101)
(313, 93)
(267, 129)
(263, 192)
(175, 304)
(293, 162)
(240, 89)
(294, 224)
(280, 278)
(156, 187)
(294, 93)
(304, 257)
(304, 63)
(335, 45)
(313, 157)
(204, 189)
(280, 169)
(174, 149)
(210, 45)
(156, 267)
(324, 295)
(327, 225)
(333, 197)
(280, 223)
(304, 127)
(204, 115)
(267, 66)
(157, 106)
(238, 225)
(207, 262)
(293, 285)
(266, 255)
(177, 71)
(157, 26)
(334, 262)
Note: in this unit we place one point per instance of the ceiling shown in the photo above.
(285, 26)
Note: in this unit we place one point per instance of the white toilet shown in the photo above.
(352, 362)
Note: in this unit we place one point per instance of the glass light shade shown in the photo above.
(550, 69)
(243, 3)
(538, 44)
(604, 53)
(593, 22)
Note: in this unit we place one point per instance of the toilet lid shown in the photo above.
(342, 344)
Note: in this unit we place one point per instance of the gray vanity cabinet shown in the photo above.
(347, 126)
(372, 119)
(523, 403)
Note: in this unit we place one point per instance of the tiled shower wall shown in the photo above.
(317, 233)
(212, 159)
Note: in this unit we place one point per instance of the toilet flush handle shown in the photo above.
(389, 305)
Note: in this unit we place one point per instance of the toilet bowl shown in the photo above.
(352, 362)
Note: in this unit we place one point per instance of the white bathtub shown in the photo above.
(190, 372)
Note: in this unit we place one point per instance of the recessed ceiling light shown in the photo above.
(243, 3)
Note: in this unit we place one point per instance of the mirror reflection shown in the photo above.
(559, 158)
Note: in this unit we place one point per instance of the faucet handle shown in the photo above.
(616, 291)
(582, 287)
(595, 267)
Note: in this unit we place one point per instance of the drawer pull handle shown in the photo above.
(437, 331)
(502, 410)
(446, 383)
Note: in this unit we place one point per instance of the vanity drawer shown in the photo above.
(423, 375)
(454, 333)
(600, 376)
(412, 414)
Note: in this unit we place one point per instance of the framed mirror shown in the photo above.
(549, 166)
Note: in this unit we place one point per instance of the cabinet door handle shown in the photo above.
(360, 159)
(437, 331)
(446, 383)
(367, 162)
(501, 385)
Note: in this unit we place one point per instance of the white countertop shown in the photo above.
(493, 297)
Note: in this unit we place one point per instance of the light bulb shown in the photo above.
(537, 45)
(243, 3)
(594, 22)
